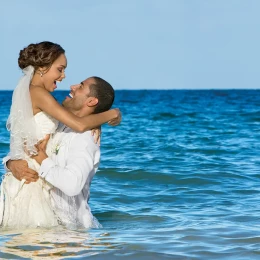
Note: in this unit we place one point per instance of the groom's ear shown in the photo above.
(92, 101)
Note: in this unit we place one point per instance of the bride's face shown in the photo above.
(56, 73)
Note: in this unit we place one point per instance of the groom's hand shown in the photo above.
(20, 170)
(41, 149)
(43, 143)
(40, 156)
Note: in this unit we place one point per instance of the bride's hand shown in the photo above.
(117, 118)
(97, 135)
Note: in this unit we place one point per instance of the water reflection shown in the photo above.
(57, 243)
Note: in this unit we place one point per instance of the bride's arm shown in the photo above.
(46, 102)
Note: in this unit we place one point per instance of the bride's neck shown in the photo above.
(37, 81)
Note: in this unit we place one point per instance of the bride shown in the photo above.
(35, 114)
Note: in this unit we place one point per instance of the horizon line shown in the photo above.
(163, 89)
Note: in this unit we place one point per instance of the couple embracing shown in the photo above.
(53, 155)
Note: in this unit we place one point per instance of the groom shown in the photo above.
(75, 156)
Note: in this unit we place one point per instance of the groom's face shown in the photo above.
(78, 95)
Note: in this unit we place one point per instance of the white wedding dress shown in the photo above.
(29, 205)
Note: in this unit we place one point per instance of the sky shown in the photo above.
(139, 44)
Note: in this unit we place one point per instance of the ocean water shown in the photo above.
(179, 179)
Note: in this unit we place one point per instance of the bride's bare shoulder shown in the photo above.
(40, 97)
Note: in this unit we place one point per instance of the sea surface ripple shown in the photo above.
(178, 179)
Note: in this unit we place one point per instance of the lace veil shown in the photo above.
(21, 123)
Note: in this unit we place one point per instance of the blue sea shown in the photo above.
(179, 179)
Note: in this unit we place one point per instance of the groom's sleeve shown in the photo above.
(79, 165)
(5, 160)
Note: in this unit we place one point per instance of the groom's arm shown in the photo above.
(82, 160)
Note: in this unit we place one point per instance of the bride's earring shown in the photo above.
(41, 73)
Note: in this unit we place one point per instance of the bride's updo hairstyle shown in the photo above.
(41, 54)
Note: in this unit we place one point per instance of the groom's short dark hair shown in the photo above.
(104, 92)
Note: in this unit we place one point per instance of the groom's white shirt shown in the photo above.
(73, 161)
